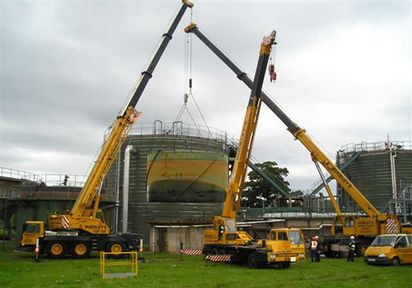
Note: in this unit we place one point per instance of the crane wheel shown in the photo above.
(254, 261)
(81, 249)
(284, 265)
(55, 249)
(116, 247)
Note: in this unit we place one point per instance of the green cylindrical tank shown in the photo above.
(186, 176)
(371, 172)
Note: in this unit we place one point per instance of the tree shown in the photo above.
(258, 192)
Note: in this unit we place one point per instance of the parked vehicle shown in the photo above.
(390, 249)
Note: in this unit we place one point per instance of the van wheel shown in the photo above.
(55, 249)
(396, 261)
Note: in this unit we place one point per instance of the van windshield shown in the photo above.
(384, 240)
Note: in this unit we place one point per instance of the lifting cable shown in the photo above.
(188, 72)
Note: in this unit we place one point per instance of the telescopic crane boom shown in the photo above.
(224, 238)
(234, 191)
(375, 222)
(120, 128)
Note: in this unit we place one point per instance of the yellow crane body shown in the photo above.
(224, 237)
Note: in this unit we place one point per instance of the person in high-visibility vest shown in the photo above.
(352, 247)
(314, 249)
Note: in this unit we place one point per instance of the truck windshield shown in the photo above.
(31, 228)
(384, 240)
(295, 237)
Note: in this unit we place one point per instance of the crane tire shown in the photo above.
(55, 249)
(81, 249)
(116, 247)
(254, 261)
(284, 265)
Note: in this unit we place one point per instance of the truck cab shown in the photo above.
(390, 249)
(31, 231)
(290, 239)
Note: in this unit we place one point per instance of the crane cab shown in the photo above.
(31, 231)
(290, 239)
(225, 232)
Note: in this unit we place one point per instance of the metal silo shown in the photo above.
(382, 172)
(176, 174)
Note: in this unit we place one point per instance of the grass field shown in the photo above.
(164, 270)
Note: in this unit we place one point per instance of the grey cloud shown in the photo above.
(67, 69)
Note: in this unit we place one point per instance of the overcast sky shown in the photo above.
(67, 67)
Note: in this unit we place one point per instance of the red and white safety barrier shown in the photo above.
(191, 251)
(65, 222)
(219, 258)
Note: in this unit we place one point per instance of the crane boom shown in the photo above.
(234, 191)
(294, 129)
(84, 206)
(147, 74)
(225, 238)
(121, 126)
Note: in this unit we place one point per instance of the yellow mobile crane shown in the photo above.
(224, 237)
(74, 233)
(365, 227)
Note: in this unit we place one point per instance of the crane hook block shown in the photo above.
(272, 73)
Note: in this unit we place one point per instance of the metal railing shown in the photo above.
(70, 180)
(48, 195)
(298, 215)
(19, 174)
(376, 146)
(178, 128)
(49, 179)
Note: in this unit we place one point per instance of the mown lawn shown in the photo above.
(164, 270)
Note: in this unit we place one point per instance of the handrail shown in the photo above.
(48, 179)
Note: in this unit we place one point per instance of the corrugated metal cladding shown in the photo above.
(371, 172)
(141, 210)
(172, 239)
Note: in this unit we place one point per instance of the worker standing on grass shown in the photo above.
(317, 249)
(352, 246)
(313, 249)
